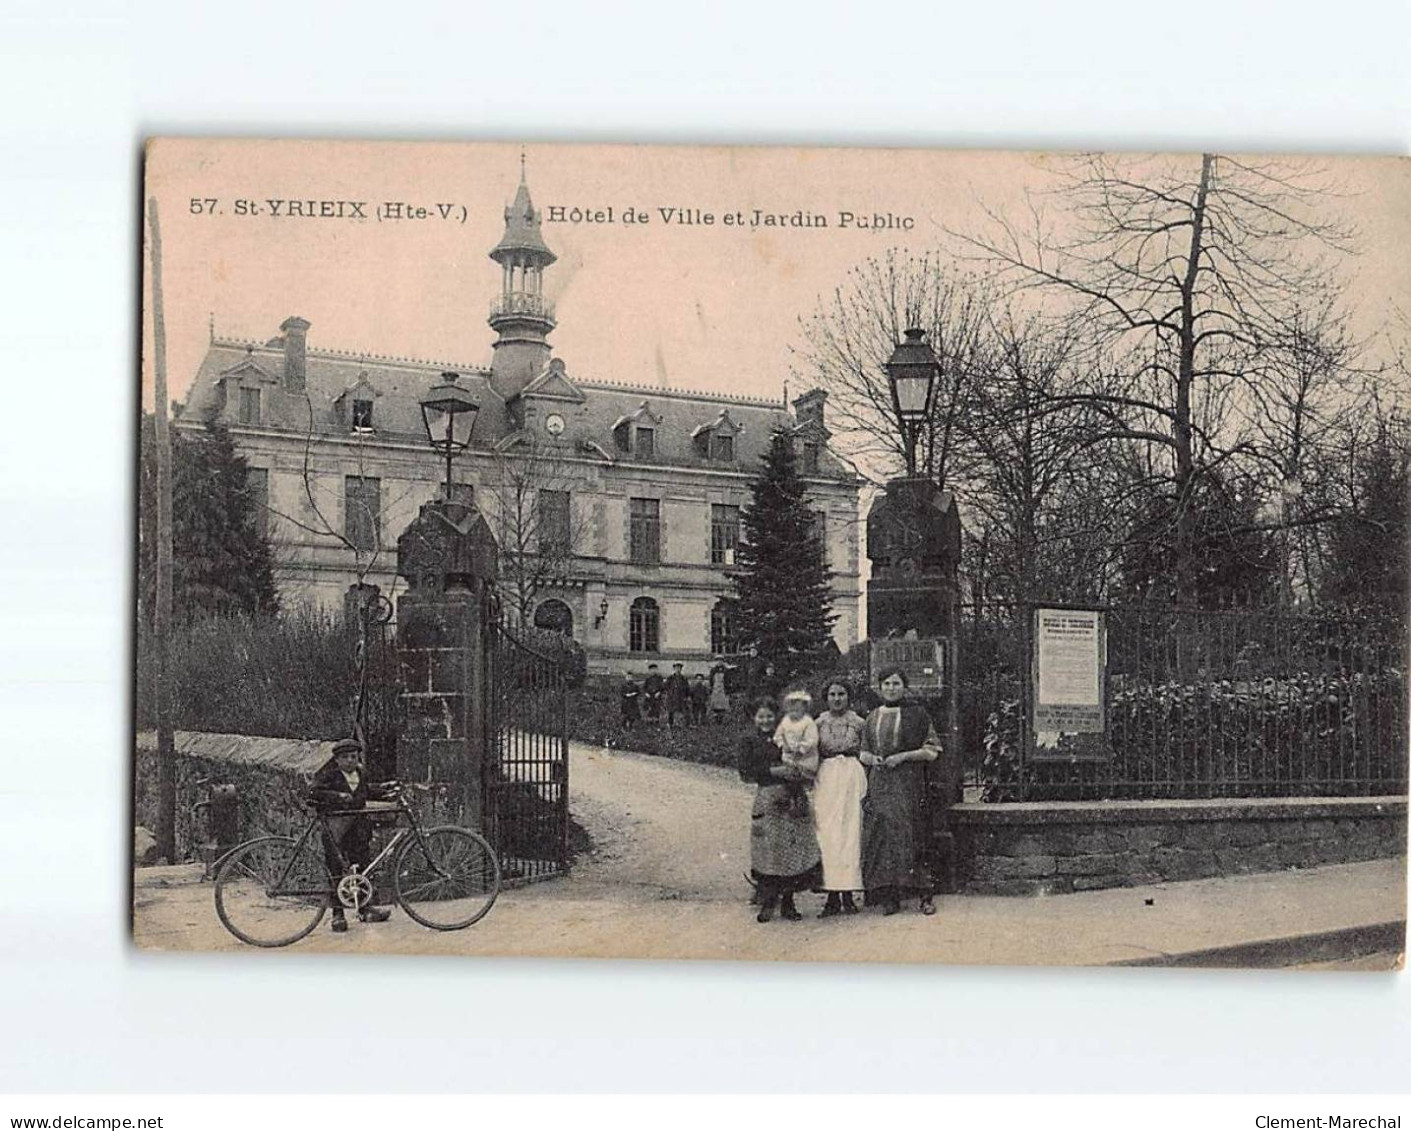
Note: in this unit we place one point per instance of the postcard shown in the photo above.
(848, 555)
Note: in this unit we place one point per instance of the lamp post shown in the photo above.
(449, 413)
(602, 613)
(912, 371)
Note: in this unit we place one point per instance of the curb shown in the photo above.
(1292, 950)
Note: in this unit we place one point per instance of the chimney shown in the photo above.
(808, 410)
(295, 343)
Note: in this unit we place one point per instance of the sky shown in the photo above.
(708, 306)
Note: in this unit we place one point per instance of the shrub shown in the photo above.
(1306, 735)
(289, 676)
(595, 716)
(556, 646)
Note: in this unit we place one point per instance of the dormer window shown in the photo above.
(636, 434)
(354, 406)
(716, 441)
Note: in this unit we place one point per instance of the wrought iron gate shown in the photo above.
(525, 779)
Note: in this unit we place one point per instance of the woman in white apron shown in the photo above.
(837, 801)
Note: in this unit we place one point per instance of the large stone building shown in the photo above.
(624, 498)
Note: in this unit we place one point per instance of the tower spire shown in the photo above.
(521, 317)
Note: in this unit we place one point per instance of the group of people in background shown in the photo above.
(674, 699)
(840, 803)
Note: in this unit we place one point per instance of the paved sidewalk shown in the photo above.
(174, 911)
(664, 880)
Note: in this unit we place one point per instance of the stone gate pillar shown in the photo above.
(449, 559)
(913, 618)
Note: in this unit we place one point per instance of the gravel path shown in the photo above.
(661, 829)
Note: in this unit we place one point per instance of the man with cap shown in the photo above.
(341, 784)
(678, 697)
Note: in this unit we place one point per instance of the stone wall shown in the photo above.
(1042, 848)
(271, 776)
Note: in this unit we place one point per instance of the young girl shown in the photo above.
(797, 739)
(783, 849)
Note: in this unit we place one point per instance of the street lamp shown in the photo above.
(912, 371)
(449, 413)
(602, 613)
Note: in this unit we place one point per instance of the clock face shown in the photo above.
(553, 424)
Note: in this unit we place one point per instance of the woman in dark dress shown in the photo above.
(898, 742)
(784, 856)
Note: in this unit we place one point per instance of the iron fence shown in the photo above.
(1200, 704)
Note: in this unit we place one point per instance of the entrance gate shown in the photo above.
(524, 784)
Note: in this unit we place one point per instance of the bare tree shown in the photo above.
(1188, 273)
(849, 337)
(999, 437)
(1033, 456)
(530, 502)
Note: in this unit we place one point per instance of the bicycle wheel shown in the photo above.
(447, 879)
(269, 895)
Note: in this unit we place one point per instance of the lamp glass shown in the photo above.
(449, 414)
(913, 390)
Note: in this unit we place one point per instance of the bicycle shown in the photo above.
(274, 890)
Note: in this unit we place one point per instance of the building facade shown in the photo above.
(617, 506)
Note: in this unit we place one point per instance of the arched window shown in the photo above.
(724, 627)
(644, 627)
(555, 615)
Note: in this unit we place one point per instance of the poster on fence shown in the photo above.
(1070, 660)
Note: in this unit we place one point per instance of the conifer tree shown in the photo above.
(786, 603)
(221, 561)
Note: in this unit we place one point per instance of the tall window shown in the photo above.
(645, 531)
(820, 531)
(722, 447)
(362, 416)
(362, 511)
(724, 533)
(724, 627)
(646, 442)
(553, 522)
(249, 406)
(554, 615)
(644, 626)
(257, 487)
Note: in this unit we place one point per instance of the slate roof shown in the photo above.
(590, 408)
(522, 231)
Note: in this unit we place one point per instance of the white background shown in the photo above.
(81, 1010)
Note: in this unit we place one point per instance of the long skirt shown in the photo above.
(783, 847)
(837, 812)
(893, 833)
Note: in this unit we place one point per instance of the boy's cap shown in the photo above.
(347, 746)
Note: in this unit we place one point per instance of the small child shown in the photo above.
(797, 739)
